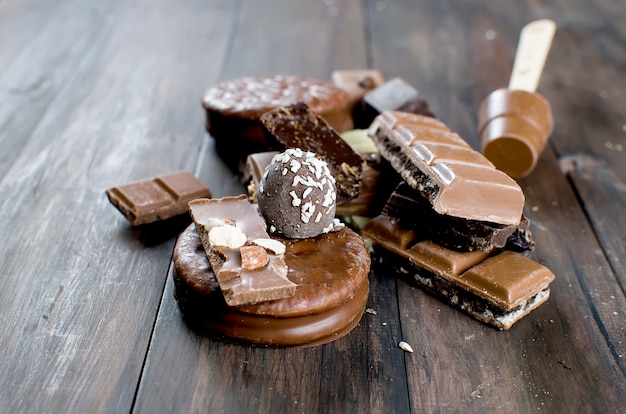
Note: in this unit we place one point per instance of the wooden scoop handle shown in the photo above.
(534, 44)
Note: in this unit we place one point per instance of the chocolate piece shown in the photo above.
(498, 290)
(156, 199)
(412, 211)
(357, 82)
(296, 126)
(514, 127)
(233, 109)
(328, 303)
(256, 164)
(455, 179)
(225, 225)
(394, 95)
(297, 195)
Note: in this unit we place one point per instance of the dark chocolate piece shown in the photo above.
(296, 126)
(158, 198)
(455, 179)
(499, 289)
(226, 226)
(412, 211)
(394, 95)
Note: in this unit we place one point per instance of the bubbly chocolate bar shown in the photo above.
(248, 265)
(412, 211)
(296, 126)
(394, 95)
(498, 289)
(156, 199)
(454, 178)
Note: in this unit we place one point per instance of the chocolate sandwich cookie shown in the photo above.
(498, 289)
(330, 272)
(233, 109)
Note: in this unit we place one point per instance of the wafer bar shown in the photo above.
(497, 289)
(241, 284)
(155, 199)
(296, 126)
(412, 211)
(454, 178)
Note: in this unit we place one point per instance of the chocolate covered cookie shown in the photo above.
(328, 303)
(233, 109)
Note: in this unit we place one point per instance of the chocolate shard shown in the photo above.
(227, 225)
(296, 126)
(157, 199)
(455, 179)
(496, 288)
(412, 211)
(394, 95)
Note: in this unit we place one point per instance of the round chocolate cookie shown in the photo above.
(297, 195)
(330, 271)
(234, 108)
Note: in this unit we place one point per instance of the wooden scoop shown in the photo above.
(532, 50)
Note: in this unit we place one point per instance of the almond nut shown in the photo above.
(227, 236)
(253, 257)
(273, 246)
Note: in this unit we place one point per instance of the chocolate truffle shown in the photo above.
(297, 195)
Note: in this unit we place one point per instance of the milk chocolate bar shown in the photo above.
(296, 126)
(158, 198)
(497, 289)
(228, 227)
(412, 211)
(394, 95)
(454, 178)
(357, 82)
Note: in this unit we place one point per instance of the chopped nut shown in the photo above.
(253, 257)
(227, 236)
(274, 246)
(349, 170)
(371, 311)
(405, 346)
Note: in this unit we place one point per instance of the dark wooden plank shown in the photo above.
(43, 54)
(361, 372)
(83, 287)
(573, 345)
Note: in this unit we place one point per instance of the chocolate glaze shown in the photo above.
(330, 271)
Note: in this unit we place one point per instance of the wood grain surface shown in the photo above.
(96, 94)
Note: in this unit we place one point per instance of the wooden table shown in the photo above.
(100, 93)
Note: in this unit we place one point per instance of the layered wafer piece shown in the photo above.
(497, 288)
(412, 211)
(457, 180)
